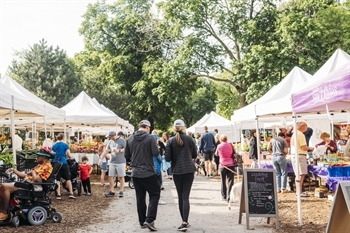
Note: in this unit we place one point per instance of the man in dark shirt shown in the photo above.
(140, 149)
(207, 147)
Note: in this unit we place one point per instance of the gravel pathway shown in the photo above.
(208, 212)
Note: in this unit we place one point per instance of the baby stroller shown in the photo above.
(128, 177)
(74, 171)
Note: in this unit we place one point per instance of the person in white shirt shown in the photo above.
(18, 142)
(47, 142)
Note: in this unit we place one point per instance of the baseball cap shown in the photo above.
(145, 122)
(112, 133)
(120, 133)
(179, 122)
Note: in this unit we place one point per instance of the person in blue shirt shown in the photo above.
(207, 148)
(62, 151)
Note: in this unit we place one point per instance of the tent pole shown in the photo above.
(45, 126)
(13, 138)
(33, 134)
(332, 127)
(65, 130)
(297, 172)
(257, 137)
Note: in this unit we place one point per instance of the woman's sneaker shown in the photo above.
(58, 197)
(71, 196)
(183, 227)
(110, 194)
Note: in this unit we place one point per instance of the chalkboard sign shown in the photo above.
(340, 214)
(261, 192)
(259, 196)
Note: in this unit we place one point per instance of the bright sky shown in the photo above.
(23, 23)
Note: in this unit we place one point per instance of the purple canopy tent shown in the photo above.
(332, 90)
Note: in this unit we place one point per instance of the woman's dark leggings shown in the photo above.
(86, 185)
(183, 184)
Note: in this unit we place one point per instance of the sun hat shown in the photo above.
(43, 154)
(179, 122)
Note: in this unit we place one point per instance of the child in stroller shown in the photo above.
(74, 171)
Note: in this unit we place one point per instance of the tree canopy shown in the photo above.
(194, 57)
(47, 72)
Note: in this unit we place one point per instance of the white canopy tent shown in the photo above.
(280, 92)
(193, 127)
(215, 121)
(92, 118)
(15, 104)
(84, 111)
(48, 110)
(284, 107)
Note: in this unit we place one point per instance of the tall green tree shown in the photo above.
(130, 53)
(218, 35)
(47, 72)
(334, 28)
(98, 86)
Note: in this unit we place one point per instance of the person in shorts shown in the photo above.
(207, 148)
(302, 152)
(117, 162)
(62, 151)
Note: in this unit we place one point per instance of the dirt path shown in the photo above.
(208, 212)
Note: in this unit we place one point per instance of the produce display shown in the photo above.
(23, 157)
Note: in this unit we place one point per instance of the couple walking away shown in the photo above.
(180, 151)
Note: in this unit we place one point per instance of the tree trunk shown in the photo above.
(242, 101)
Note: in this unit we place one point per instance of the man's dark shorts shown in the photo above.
(208, 155)
(64, 172)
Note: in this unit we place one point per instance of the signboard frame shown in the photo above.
(340, 214)
(244, 203)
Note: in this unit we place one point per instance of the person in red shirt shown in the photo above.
(85, 171)
(330, 144)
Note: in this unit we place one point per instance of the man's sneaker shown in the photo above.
(144, 227)
(150, 226)
(183, 227)
(58, 197)
(161, 202)
(84, 194)
(121, 194)
(71, 196)
(88, 194)
(110, 194)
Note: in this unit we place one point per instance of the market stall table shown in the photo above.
(333, 174)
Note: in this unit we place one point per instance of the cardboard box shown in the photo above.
(319, 194)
